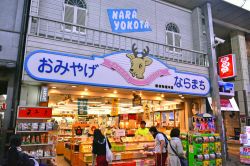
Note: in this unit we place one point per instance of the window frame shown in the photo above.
(168, 49)
(75, 10)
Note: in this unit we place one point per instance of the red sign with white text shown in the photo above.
(227, 67)
(34, 112)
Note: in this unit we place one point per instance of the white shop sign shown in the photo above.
(131, 70)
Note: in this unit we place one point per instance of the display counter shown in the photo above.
(126, 150)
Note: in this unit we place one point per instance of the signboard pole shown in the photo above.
(214, 79)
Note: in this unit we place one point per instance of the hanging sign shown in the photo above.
(227, 66)
(125, 20)
(128, 69)
(136, 100)
(44, 94)
(115, 108)
(226, 89)
(82, 105)
(34, 112)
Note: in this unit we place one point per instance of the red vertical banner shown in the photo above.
(227, 66)
(34, 112)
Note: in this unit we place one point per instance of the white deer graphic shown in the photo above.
(138, 64)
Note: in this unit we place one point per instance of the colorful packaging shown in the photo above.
(42, 126)
(205, 148)
(49, 126)
(34, 126)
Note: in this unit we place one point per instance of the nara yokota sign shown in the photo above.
(126, 69)
(125, 20)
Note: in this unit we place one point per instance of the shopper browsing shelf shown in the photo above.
(16, 157)
(142, 130)
(160, 146)
(99, 148)
(175, 150)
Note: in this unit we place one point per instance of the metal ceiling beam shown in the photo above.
(231, 26)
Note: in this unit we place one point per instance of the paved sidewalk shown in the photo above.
(234, 161)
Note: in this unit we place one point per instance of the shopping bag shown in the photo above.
(109, 154)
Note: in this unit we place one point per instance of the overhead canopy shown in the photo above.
(229, 105)
(226, 104)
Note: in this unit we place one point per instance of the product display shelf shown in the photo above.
(37, 137)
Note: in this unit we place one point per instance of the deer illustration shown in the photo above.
(138, 64)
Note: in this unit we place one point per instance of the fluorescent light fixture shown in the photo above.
(5, 97)
(245, 4)
(115, 92)
(53, 87)
(73, 86)
(85, 89)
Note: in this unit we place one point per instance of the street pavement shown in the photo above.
(234, 161)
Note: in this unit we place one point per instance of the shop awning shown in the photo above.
(229, 105)
(226, 104)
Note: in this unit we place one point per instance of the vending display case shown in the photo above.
(204, 150)
(245, 148)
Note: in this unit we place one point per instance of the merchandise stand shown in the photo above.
(38, 137)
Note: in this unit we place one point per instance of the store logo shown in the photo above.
(137, 68)
(125, 20)
(227, 67)
(138, 64)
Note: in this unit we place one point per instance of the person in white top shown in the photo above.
(160, 149)
(173, 159)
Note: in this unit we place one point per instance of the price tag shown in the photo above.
(119, 133)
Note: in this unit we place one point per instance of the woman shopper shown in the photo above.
(16, 157)
(175, 147)
(99, 148)
(160, 147)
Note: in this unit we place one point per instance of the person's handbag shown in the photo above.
(183, 160)
(109, 154)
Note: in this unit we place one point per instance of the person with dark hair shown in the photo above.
(176, 147)
(142, 130)
(99, 148)
(15, 155)
(160, 147)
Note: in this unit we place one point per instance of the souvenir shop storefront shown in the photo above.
(72, 95)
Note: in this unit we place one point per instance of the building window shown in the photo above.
(173, 37)
(75, 12)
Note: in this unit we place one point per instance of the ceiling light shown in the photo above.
(115, 91)
(105, 89)
(180, 95)
(53, 87)
(73, 86)
(81, 96)
(140, 94)
(133, 91)
(162, 95)
(85, 89)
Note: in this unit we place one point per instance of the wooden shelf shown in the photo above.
(45, 131)
(48, 157)
(33, 118)
(36, 144)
